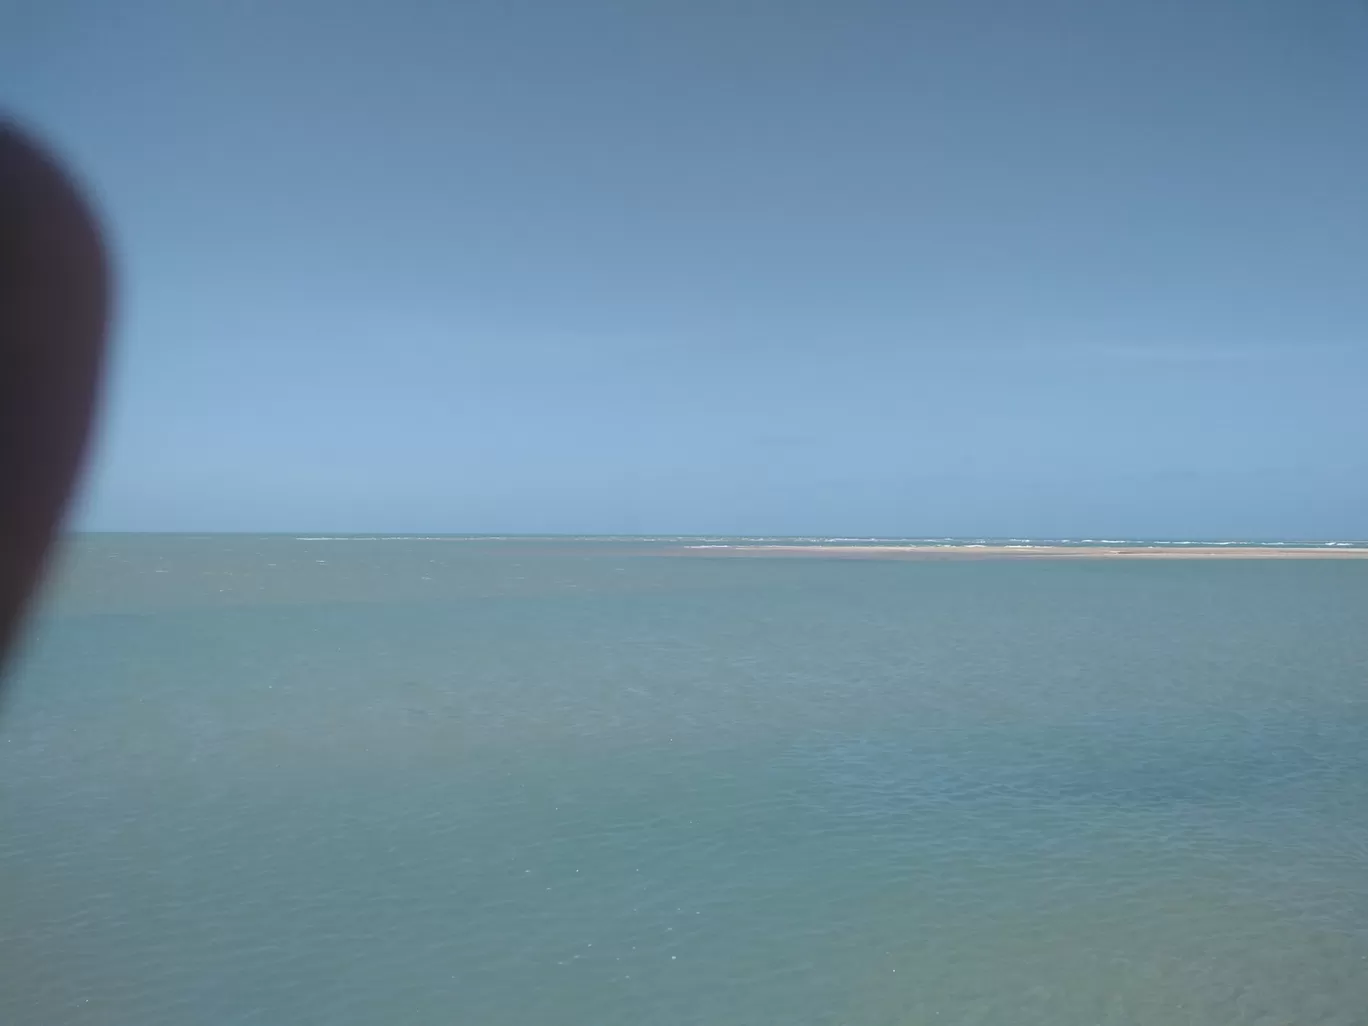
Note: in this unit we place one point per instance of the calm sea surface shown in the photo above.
(266, 780)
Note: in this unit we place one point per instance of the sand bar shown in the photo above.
(1030, 551)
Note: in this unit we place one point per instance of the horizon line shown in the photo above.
(1112, 539)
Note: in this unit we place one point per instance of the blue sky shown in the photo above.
(1065, 268)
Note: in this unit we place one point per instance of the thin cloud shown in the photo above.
(1169, 354)
(1199, 355)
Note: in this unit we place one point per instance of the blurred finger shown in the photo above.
(54, 299)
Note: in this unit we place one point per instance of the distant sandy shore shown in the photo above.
(1027, 551)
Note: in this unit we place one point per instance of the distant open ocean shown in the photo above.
(574, 782)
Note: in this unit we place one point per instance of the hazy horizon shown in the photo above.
(1101, 539)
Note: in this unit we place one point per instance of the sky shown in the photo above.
(1067, 268)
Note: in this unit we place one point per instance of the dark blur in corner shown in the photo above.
(54, 306)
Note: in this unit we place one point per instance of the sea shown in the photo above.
(601, 782)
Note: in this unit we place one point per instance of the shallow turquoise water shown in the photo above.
(261, 780)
